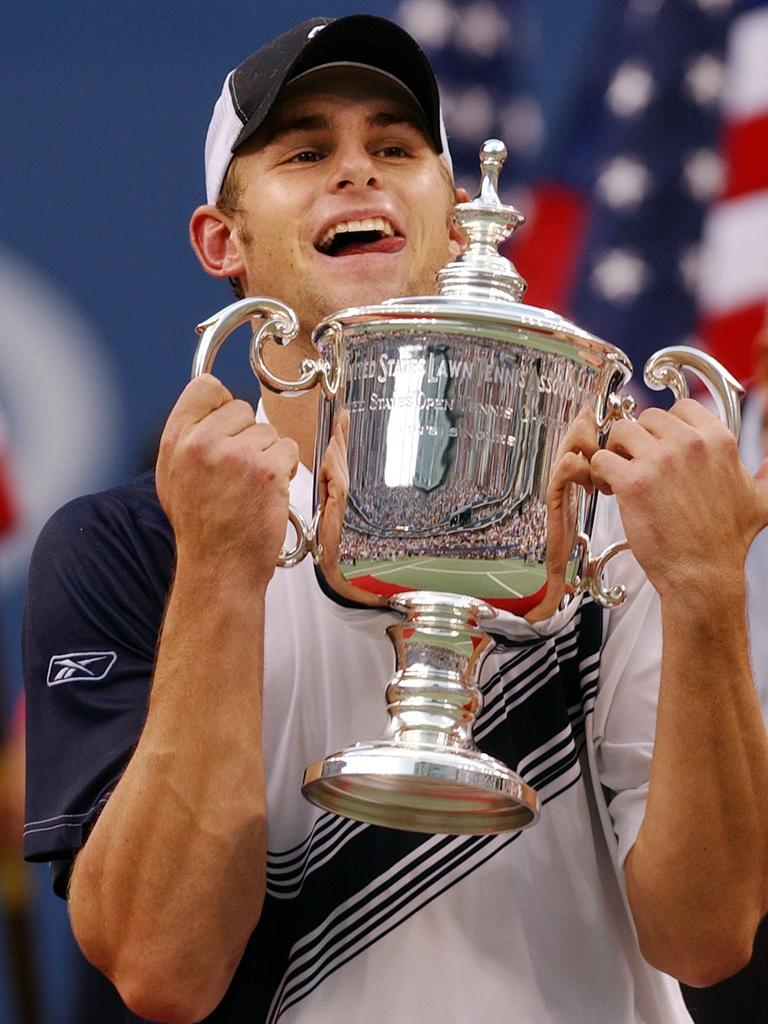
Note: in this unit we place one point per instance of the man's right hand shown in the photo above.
(223, 482)
(185, 827)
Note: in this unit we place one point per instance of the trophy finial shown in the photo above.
(481, 272)
(493, 153)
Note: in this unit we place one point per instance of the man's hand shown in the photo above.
(223, 481)
(570, 470)
(688, 505)
(333, 481)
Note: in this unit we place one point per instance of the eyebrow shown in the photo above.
(319, 122)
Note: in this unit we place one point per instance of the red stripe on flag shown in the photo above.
(7, 504)
(8, 508)
(7, 513)
(730, 336)
(745, 149)
(548, 248)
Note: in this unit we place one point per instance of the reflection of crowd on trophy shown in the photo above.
(455, 525)
(421, 509)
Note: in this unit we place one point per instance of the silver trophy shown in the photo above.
(457, 405)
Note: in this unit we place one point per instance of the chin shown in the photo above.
(380, 292)
(370, 279)
(360, 286)
(345, 298)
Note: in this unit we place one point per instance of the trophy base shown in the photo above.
(420, 788)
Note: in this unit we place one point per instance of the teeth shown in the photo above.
(380, 224)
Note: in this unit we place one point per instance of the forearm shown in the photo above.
(696, 877)
(170, 884)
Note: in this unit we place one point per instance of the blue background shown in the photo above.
(103, 117)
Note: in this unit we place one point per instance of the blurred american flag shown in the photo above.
(663, 129)
(733, 284)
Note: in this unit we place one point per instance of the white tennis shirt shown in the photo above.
(531, 928)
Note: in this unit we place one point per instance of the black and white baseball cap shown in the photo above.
(359, 40)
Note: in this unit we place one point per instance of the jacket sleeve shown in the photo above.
(97, 587)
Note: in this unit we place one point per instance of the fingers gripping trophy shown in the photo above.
(449, 412)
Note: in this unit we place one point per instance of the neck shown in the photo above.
(294, 415)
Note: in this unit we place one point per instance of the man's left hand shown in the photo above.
(687, 503)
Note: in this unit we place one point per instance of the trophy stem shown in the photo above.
(433, 698)
(427, 775)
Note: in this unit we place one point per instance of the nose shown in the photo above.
(354, 167)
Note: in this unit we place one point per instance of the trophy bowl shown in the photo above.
(455, 406)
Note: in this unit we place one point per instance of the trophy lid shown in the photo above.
(481, 272)
(481, 287)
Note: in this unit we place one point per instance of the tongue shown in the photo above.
(358, 247)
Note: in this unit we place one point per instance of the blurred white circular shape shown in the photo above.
(690, 264)
(522, 123)
(59, 398)
(704, 79)
(481, 30)
(620, 275)
(624, 183)
(704, 174)
(469, 113)
(631, 89)
(429, 21)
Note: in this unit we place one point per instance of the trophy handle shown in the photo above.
(296, 554)
(663, 370)
(280, 324)
(591, 578)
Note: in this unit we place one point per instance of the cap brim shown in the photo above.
(361, 40)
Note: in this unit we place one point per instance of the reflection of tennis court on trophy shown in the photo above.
(500, 580)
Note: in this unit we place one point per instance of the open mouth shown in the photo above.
(355, 237)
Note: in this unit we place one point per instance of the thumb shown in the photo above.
(571, 468)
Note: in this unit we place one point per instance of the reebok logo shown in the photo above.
(85, 666)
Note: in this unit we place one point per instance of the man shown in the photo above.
(198, 879)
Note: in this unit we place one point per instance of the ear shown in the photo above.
(457, 241)
(213, 237)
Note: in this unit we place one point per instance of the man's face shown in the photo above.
(344, 202)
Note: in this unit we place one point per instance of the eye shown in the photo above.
(306, 156)
(393, 151)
